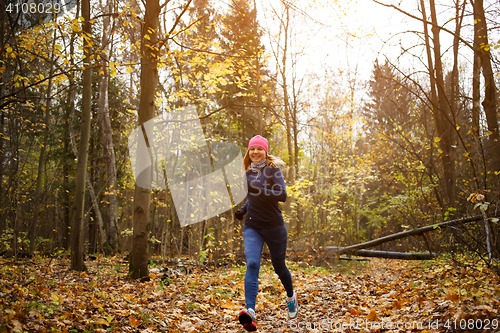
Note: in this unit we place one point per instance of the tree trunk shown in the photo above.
(93, 197)
(41, 158)
(3, 81)
(404, 234)
(490, 99)
(440, 105)
(77, 229)
(393, 255)
(17, 213)
(95, 203)
(107, 133)
(295, 139)
(291, 173)
(476, 92)
(433, 98)
(138, 268)
(66, 227)
(447, 119)
(69, 140)
(454, 77)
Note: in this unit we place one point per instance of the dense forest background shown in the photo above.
(415, 142)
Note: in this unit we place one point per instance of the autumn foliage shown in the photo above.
(45, 296)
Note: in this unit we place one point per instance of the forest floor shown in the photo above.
(40, 294)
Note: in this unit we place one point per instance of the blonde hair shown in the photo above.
(270, 160)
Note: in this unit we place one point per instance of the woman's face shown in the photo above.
(256, 154)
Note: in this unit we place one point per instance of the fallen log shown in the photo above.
(399, 235)
(389, 254)
(353, 259)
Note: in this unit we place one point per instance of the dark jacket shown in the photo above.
(261, 208)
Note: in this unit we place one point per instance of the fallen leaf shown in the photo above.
(227, 304)
(133, 321)
(372, 316)
(102, 321)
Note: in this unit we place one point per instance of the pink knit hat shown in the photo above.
(259, 141)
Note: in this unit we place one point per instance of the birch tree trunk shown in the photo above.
(106, 131)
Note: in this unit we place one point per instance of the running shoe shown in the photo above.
(247, 319)
(293, 306)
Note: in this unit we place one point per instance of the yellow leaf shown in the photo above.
(437, 139)
(123, 313)
(457, 127)
(113, 73)
(102, 321)
(227, 304)
(9, 49)
(129, 70)
(54, 298)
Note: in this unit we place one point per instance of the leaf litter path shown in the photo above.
(386, 296)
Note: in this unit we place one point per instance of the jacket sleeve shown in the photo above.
(278, 187)
(244, 207)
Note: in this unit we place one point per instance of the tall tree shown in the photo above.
(77, 230)
(389, 104)
(241, 38)
(139, 256)
(106, 130)
(444, 120)
(482, 51)
(281, 55)
(41, 160)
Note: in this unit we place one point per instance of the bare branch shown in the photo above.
(425, 21)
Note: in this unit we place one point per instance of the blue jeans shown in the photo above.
(275, 239)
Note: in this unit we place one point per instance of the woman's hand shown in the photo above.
(239, 214)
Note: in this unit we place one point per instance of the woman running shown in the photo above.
(263, 223)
